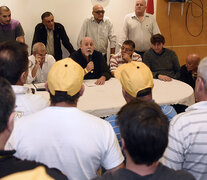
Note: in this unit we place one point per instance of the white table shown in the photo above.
(107, 99)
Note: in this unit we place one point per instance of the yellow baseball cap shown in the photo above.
(65, 75)
(134, 77)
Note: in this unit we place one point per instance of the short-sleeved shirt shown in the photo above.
(11, 31)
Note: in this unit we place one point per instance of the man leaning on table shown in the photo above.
(95, 67)
(64, 137)
(14, 67)
(126, 55)
(187, 145)
(137, 83)
(41, 62)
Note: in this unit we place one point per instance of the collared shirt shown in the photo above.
(139, 31)
(41, 75)
(187, 145)
(117, 60)
(50, 42)
(99, 32)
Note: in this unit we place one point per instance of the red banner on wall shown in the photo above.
(150, 7)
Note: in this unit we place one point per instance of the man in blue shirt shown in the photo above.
(137, 83)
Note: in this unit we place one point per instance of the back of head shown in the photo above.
(13, 60)
(65, 80)
(202, 70)
(46, 14)
(157, 38)
(144, 128)
(135, 77)
(7, 101)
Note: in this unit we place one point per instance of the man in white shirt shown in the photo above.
(40, 64)
(139, 27)
(14, 67)
(187, 145)
(100, 29)
(64, 137)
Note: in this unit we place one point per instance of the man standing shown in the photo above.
(126, 55)
(139, 27)
(52, 34)
(163, 62)
(64, 137)
(14, 67)
(100, 29)
(188, 132)
(144, 136)
(95, 67)
(41, 62)
(10, 29)
(188, 72)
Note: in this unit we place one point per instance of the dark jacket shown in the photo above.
(10, 165)
(40, 35)
(100, 66)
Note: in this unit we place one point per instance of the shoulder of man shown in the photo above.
(171, 174)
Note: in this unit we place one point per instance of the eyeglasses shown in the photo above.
(126, 49)
(99, 12)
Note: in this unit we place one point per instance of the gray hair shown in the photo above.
(202, 70)
(38, 46)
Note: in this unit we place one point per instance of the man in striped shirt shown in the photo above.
(187, 148)
(126, 55)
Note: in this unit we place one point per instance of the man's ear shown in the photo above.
(82, 90)
(10, 123)
(123, 146)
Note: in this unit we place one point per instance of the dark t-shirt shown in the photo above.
(162, 173)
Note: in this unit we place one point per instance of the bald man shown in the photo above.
(188, 72)
(92, 61)
(10, 29)
(100, 29)
(139, 27)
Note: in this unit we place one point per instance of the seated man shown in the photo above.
(188, 72)
(64, 137)
(163, 62)
(40, 64)
(137, 83)
(187, 136)
(14, 67)
(92, 61)
(10, 165)
(126, 55)
(144, 136)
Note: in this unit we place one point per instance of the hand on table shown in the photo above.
(101, 80)
(164, 77)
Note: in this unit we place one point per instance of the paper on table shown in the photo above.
(90, 83)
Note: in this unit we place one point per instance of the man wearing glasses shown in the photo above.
(100, 29)
(126, 55)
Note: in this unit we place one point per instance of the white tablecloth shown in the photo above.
(107, 99)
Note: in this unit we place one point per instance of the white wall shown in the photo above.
(70, 13)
